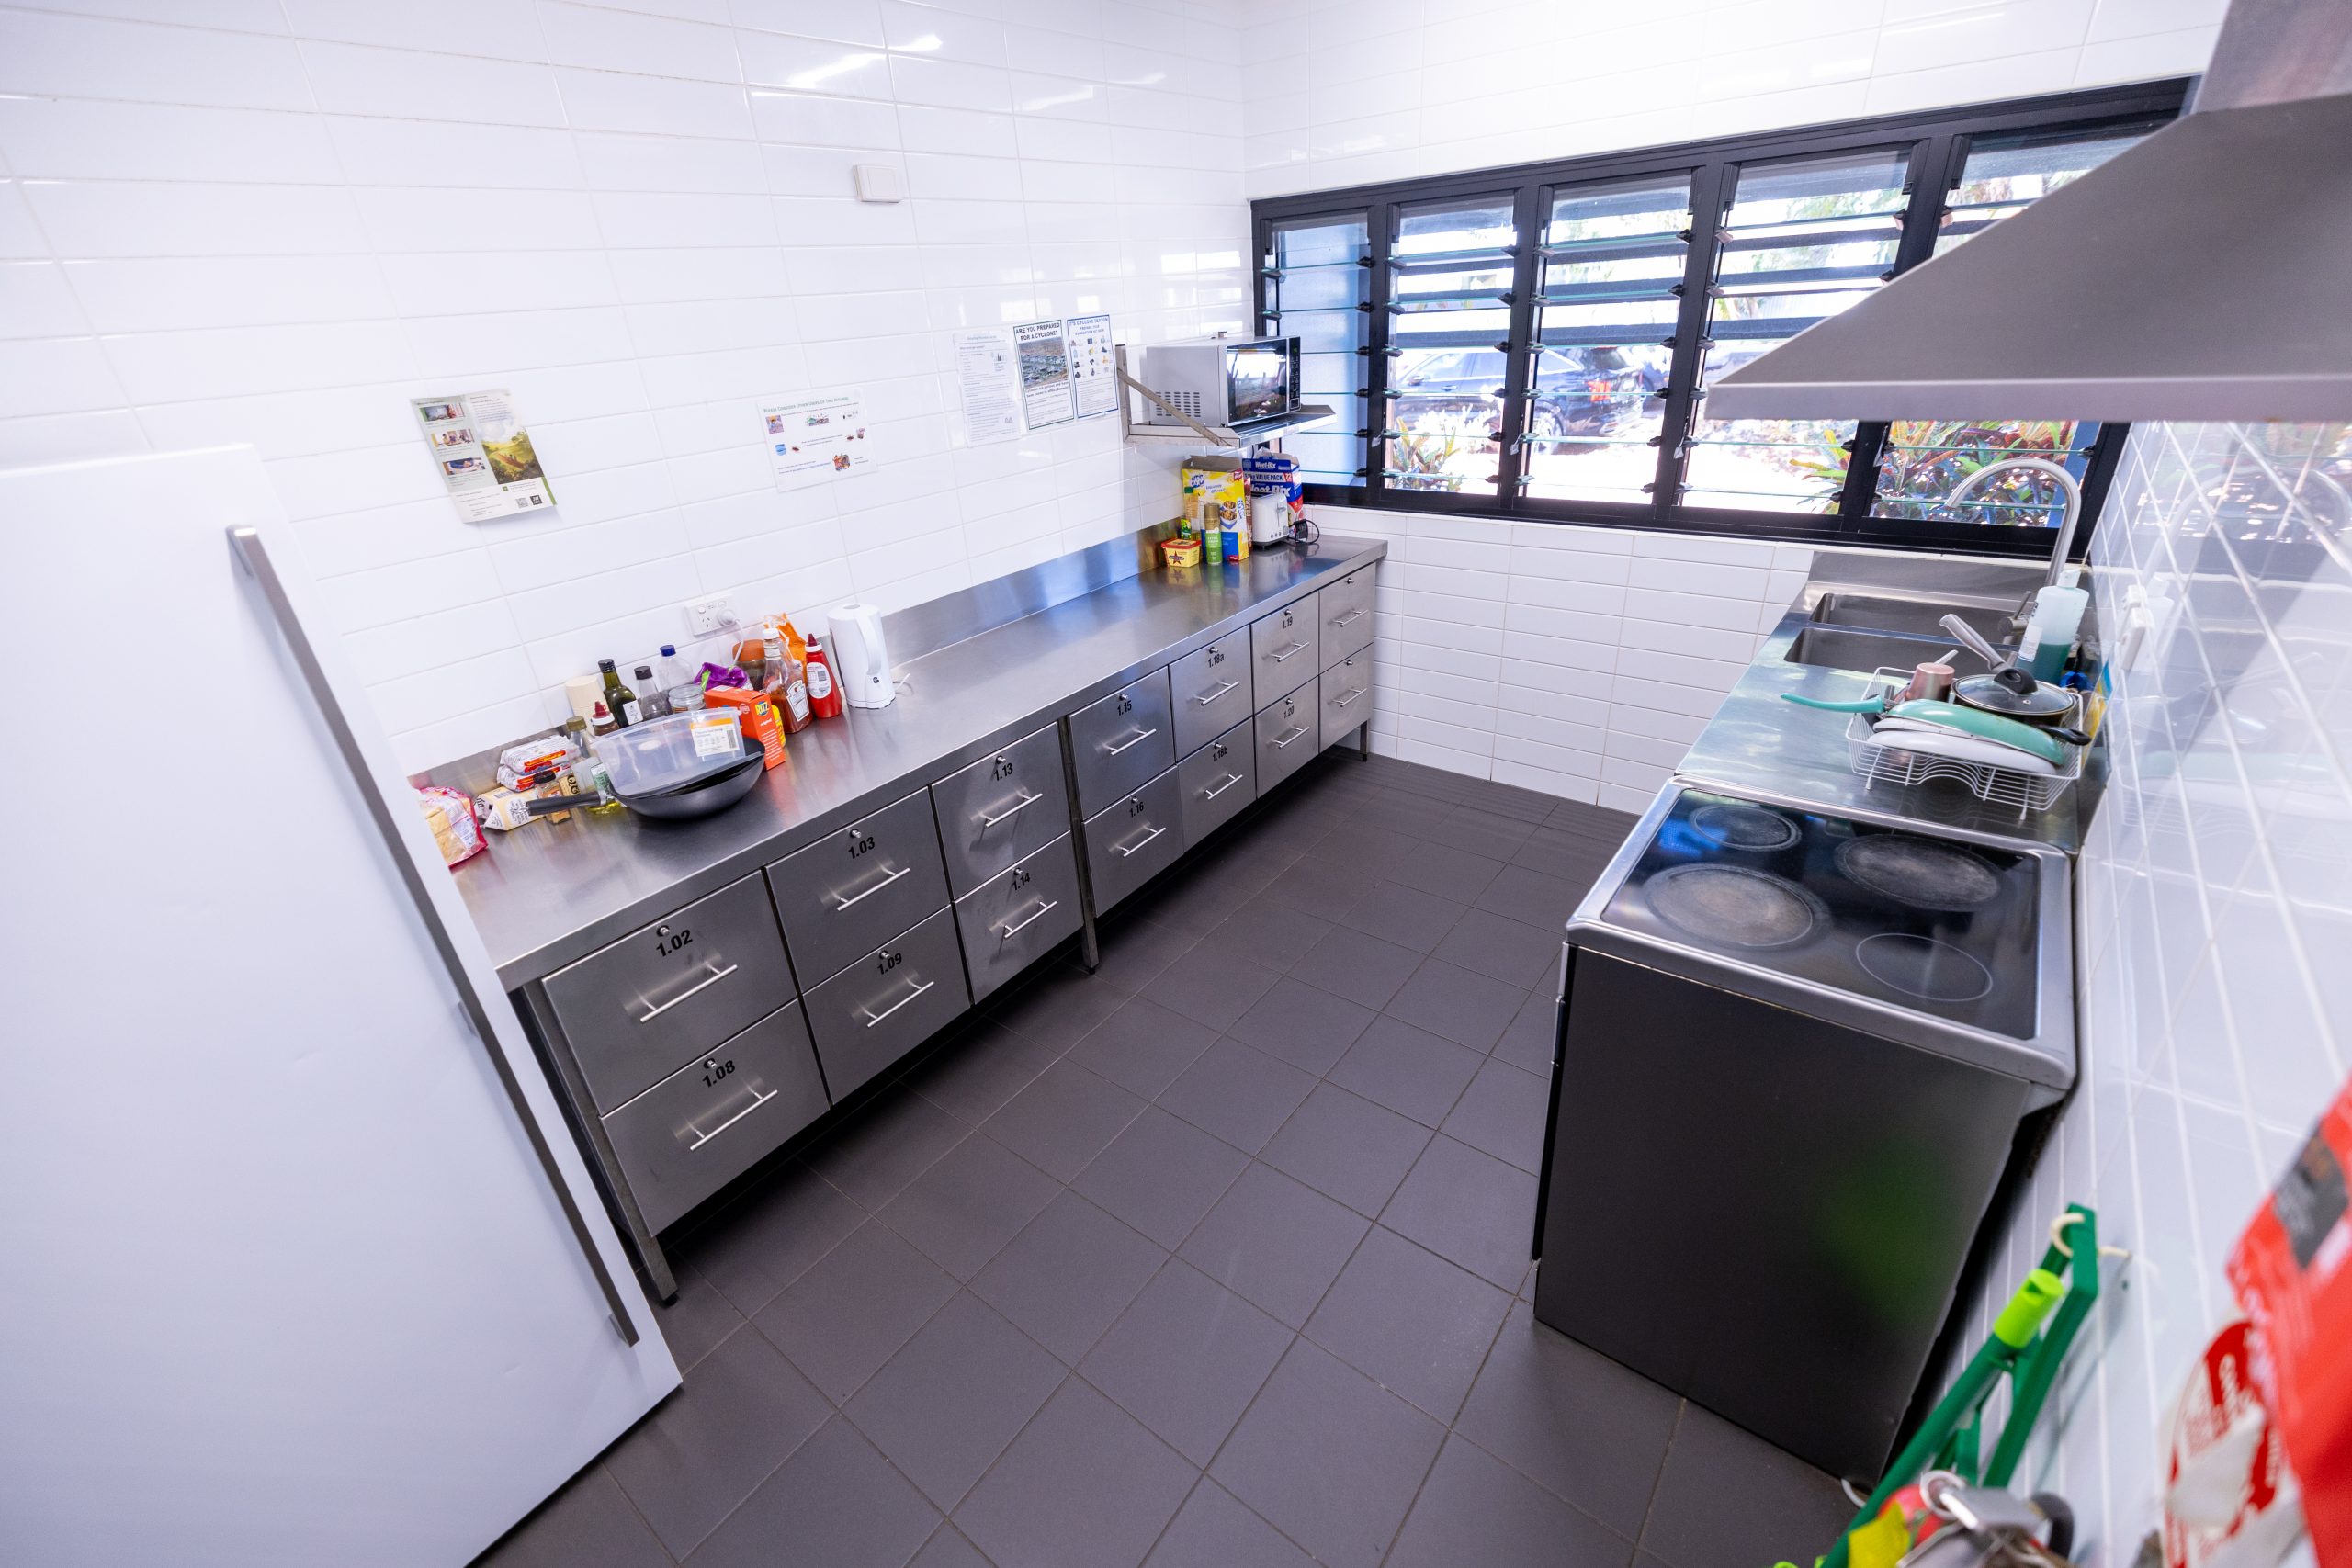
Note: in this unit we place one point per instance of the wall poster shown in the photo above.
(1093, 373)
(1043, 354)
(985, 381)
(483, 453)
(813, 436)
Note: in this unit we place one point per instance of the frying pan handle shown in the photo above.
(560, 802)
(1868, 705)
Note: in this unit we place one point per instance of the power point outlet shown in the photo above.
(707, 617)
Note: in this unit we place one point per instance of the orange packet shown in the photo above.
(755, 714)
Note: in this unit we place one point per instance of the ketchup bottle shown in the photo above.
(824, 692)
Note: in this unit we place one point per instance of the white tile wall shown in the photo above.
(2216, 909)
(249, 220)
(1341, 92)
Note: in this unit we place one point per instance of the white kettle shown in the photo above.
(861, 657)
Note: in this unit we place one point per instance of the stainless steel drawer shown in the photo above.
(886, 1003)
(711, 1120)
(1286, 737)
(1001, 809)
(1118, 743)
(636, 1009)
(1210, 689)
(1016, 917)
(1282, 647)
(1218, 781)
(1344, 610)
(859, 886)
(1132, 839)
(1346, 689)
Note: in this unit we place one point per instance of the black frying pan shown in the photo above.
(696, 798)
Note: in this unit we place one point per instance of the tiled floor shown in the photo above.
(1216, 1258)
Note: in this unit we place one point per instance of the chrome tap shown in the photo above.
(2070, 501)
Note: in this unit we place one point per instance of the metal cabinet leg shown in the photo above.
(1089, 947)
(1363, 741)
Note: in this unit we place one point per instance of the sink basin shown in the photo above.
(1855, 648)
(1918, 618)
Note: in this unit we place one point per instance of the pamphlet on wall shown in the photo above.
(1094, 373)
(484, 455)
(1044, 372)
(984, 378)
(816, 436)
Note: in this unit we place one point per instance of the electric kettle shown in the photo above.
(861, 657)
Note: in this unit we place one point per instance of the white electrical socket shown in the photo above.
(707, 617)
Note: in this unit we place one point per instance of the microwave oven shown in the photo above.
(1221, 380)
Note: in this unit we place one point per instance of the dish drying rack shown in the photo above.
(1989, 782)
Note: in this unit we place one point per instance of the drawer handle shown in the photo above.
(1350, 618)
(1205, 698)
(873, 1018)
(1351, 697)
(1223, 785)
(715, 976)
(1285, 653)
(1124, 850)
(758, 1100)
(1027, 800)
(846, 903)
(1287, 736)
(1039, 913)
(1131, 742)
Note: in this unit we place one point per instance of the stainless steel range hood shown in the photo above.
(2205, 273)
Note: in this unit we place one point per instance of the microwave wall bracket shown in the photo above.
(1256, 432)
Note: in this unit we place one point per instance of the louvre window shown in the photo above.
(1538, 341)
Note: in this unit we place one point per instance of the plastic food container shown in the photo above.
(663, 753)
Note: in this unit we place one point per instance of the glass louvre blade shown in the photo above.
(1612, 262)
(1923, 461)
(2005, 174)
(1449, 278)
(1318, 290)
(1803, 240)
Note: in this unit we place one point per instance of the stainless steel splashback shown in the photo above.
(953, 617)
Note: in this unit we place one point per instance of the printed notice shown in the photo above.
(1043, 354)
(984, 376)
(816, 436)
(1093, 373)
(484, 455)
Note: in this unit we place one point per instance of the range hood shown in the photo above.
(2205, 273)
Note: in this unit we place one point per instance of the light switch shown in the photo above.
(877, 182)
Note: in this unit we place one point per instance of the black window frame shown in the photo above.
(1938, 143)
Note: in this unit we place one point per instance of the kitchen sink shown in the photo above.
(1918, 618)
(1856, 647)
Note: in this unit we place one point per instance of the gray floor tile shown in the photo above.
(961, 1212)
(1085, 1487)
(1362, 968)
(1214, 1530)
(1407, 1069)
(1480, 832)
(1572, 857)
(1381, 850)
(1501, 1113)
(1238, 1092)
(1410, 1321)
(1477, 1509)
(1324, 888)
(1345, 1147)
(1142, 1046)
(1469, 1207)
(698, 1319)
(1328, 1457)
(1529, 1040)
(1057, 1007)
(1469, 1010)
(1457, 875)
(1725, 1497)
(1161, 1175)
(889, 1143)
(973, 1075)
(1276, 1242)
(1405, 916)
(1136, 948)
(947, 1404)
(1308, 1028)
(844, 1317)
(1503, 948)
(1068, 1277)
(700, 1453)
(948, 1548)
(1213, 988)
(589, 1523)
(764, 1241)
(835, 1504)
(1530, 896)
(1264, 931)
(1064, 1119)
(1185, 1358)
(1573, 1420)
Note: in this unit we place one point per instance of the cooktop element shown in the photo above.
(1906, 920)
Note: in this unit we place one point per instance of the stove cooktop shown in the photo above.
(1933, 925)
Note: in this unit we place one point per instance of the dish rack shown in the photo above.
(1989, 782)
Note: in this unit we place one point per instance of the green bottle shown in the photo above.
(619, 700)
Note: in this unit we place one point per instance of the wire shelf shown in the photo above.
(1992, 785)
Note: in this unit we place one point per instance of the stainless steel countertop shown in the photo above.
(1756, 743)
(550, 893)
